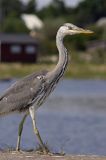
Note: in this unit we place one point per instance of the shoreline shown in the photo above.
(74, 70)
(4, 155)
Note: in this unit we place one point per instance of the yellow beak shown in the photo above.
(85, 31)
(82, 31)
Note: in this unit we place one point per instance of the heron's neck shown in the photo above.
(58, 71)
(63, 56)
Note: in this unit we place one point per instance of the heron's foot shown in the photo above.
(46, 151)
(43, 149)
(17, 149)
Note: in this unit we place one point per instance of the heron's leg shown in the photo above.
(32, 114)
(20, 132)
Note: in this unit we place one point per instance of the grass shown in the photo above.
(8, 70)
(86, 71)
(74, 70)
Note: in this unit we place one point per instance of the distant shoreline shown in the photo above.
(74, 70)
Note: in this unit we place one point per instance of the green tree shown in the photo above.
(48, 44)
(55, 9)
(59, 7)
(31, 6)
(9, 6)
(13, 24)
(90, 11)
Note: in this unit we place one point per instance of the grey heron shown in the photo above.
(28, 94)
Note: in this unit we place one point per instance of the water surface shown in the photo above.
(73, 119)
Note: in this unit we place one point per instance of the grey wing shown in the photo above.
(21, 94)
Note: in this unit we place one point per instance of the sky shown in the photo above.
(68, 2)
(44, 3)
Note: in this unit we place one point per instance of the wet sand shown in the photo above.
(33, 156)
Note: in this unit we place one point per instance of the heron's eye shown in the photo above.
(70, 28)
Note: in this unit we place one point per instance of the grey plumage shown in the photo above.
(21, 94)
(27, 94)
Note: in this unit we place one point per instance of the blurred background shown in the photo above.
(76, 111)
(28, 29)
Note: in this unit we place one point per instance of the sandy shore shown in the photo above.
(34, 156)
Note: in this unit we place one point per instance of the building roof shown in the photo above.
(32, 21)
(16, 38)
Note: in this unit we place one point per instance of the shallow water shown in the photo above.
(73, 119)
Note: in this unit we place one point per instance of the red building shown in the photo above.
(18, 48)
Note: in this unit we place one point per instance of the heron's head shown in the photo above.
(71, 29)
